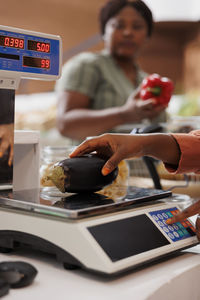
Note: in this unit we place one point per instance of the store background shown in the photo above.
(173, 51)
(175, 37)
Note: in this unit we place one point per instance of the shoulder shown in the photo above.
(87, 58)
(86, 64)
(80, 73)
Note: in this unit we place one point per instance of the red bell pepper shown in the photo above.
(157, 87)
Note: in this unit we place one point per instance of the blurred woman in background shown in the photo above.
(99, 91)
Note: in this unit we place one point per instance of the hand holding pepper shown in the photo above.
(157, 87)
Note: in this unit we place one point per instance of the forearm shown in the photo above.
(161, 146)
(124, 146)
(80, 123)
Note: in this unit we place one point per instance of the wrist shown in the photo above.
(150, 144)
(140, 145)
(161, 146)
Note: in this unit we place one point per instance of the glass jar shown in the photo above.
(49, 156)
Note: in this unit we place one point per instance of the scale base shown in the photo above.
(12, 240)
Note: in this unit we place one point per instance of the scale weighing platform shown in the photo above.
(94, 232)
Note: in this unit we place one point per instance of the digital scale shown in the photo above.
(94, 232)
(91, 231)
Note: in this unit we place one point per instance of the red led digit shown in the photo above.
(42, 47)
(43, 63)
(12, 42)
(38, 47)
(16, 43)
(47, 63)
(21, 44)
(47, 48)
(6, 42)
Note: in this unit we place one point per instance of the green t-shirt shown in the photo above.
(98, 76)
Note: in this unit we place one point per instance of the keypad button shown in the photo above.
(160, 223)
(185, 231)
(169, 214)
(155, 217)
(170, 228)
(184, 224)
(176, 234)
(188, 223)
(165, 229)
(171, 236)
(173, 213)
(180, 232)
(180, 226)
(160, 216)
(175, 226)
(165, 215)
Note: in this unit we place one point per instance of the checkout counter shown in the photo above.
(174, 278)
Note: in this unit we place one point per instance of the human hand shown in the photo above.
(113, 147)
(116, 147)
(135, 109)
(7, 140)
(186, 213)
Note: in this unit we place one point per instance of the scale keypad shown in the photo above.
(177, 231)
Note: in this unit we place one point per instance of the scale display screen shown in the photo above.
(38, 46)
(115, 237)
(30, 53)
(11, 42)
(36, 62)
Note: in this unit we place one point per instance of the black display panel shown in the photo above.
(36, 62)
(9, 56)
(11, 42)
(38, 46)
(124, 238)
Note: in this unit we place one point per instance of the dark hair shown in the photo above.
(112, 7)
